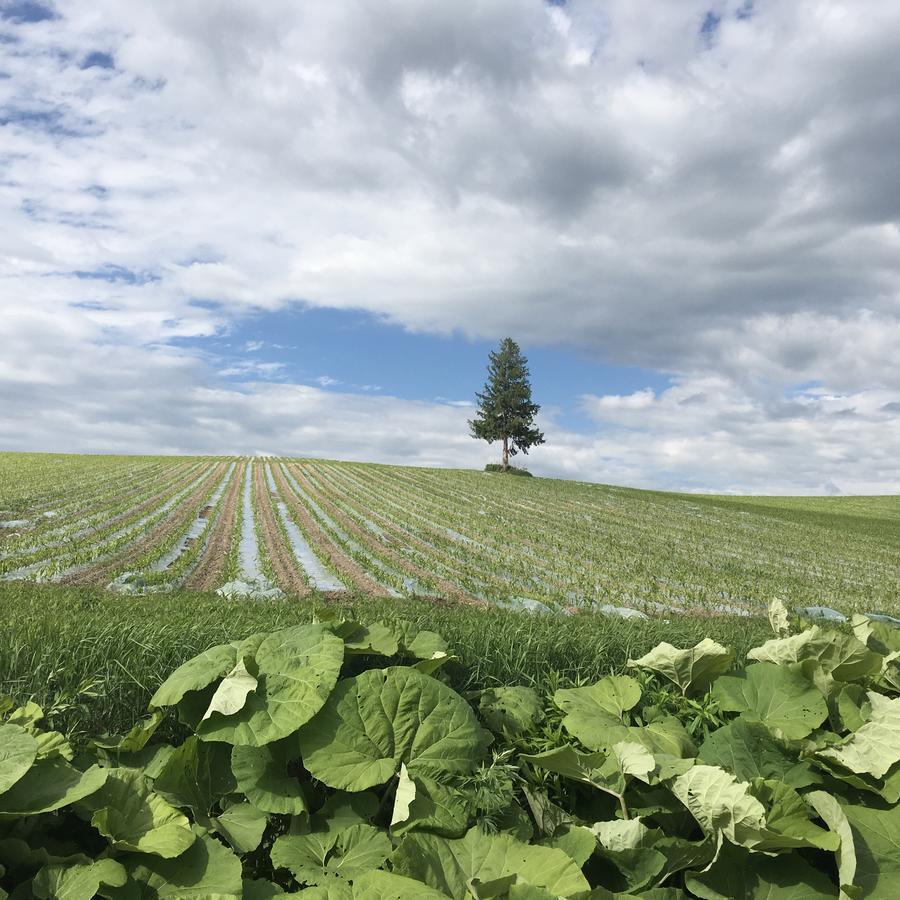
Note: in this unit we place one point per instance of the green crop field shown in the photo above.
(263, 527)
(252, 678)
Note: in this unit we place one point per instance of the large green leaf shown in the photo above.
(748, 750)
(693, 670)
(48, 785)
(231, 694)
(788, 824)
(314, 858)
(134, 817)
(450, 865)
(80, 881)
(297, 669)
(835, 818)
(877, 636)
(207, 870)
(384, 717)
(876, 838)
(262, 776)
(840, 655)
(242, 825)
(515, 710)
(568, 762)
(195, 674)
(780, 697)
(779, 618)
(196, 775)
(720, 803)
(875, 747)
(592, 709)
(18, 751)
(375, 885)
(667, 736)
(739, 874)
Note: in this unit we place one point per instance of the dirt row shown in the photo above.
(175, 520)
(284, 564)
(323, 546)
(340, 487)
(449, 590)
(208, 571)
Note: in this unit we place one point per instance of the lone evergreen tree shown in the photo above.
(505, 409)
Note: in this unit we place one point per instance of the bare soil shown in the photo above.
(323, 545)
(211, 564)
(287, 574)
(174, 521)
(367, 539)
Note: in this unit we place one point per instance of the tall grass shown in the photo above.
(94, 659)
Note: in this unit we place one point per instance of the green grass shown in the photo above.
(94, 659)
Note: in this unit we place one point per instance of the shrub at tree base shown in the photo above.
(330, 761)
(512, 470)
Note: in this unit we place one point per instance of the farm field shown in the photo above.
(265, 527)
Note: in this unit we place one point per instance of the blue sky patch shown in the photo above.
(98, 60)
(26, 11)
(350, 350)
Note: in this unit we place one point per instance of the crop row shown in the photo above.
(265, 526)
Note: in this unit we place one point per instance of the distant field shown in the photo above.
(303, 527)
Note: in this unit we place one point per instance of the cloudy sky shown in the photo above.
(299, 227)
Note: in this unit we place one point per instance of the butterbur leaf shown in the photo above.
(314, 858)
(738, 874)
(242, 825)
(875, 747)
(384, 717)
(196, 775)
(788, 824)
(693, 670)
(406, 793)
(195, 675)
(852, 707)
(748, 750)
(720, 803)
(876, 837)
(80, 881)
(261, 775)
(576, 841)
(515, 710)
(835, 818)
(231, 694)
(298, 667)
(841, 656)
(778, 696)
(136, 739)
(450, 865)
(375, 885)
(568, 762)
(665, 736)
(134, 817)
(877, 636)
(436, 807)
(18, 751)
(48, 785)
(377, 639)
(634, 759)
(591, 709)
(206, 870)
(779, 618)
(26, 716)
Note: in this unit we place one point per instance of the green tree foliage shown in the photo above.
(505, 409)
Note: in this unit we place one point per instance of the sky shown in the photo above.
(299, 228)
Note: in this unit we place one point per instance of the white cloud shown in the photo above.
(592, 176)
(326, 381)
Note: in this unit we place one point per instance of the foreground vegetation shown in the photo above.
(92, 659)
(335, 760)
(258, 527)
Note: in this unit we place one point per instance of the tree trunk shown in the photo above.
(505, 453)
